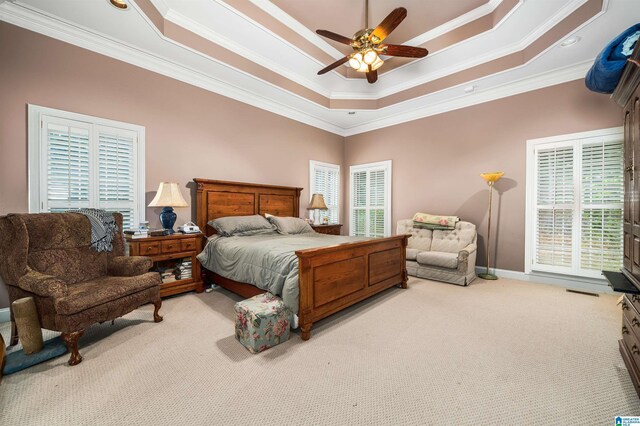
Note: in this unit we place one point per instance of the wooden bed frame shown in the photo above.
(330, 278)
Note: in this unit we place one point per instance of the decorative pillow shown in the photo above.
(290, 225)
(241, 225)
(437, 220)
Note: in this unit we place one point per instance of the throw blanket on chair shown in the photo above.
(103, 228)
(435, 221)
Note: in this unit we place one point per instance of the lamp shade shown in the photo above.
(492, 176)
(168, 195)
(317, 202)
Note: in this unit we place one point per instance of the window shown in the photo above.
(78, 161)
(370, 211)
(325, 180)
(575, 194)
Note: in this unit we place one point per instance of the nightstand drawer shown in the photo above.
(188, 244)
(148, 249)
(171, 246)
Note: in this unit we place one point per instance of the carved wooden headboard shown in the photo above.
(216, 198)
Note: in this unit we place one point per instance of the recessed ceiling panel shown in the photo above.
(347, 16)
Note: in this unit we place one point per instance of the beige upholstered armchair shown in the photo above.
(448, 256)
(48, 256)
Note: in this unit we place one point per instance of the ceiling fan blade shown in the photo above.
(372, 75)
(335, 37)
(333, 65)
(403, 51)
(388, 24)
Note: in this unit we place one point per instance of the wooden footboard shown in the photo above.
(333, 278)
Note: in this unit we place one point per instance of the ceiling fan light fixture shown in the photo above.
(363, 67)
(356, 61)
(377, 63)
(370, 56)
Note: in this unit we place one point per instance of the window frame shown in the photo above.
(385, 165)
(577, 141)
(37, 176)
(313, 165)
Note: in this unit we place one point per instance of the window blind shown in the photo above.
(370, 208)
(578, 196)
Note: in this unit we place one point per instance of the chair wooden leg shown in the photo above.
(157, 304)
(71, 340)
(14, 333)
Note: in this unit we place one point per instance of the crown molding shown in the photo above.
(296, 26)
(161, 6)
(42, 24)
(540, 81)
(281, 102)
(267, 62)
(455, 23)
(518, 46)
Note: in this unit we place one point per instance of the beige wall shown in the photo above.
(194, 133)
(189, 132)
(436, 160)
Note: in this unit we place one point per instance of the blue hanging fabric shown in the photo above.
(606, 71)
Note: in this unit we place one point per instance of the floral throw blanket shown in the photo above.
(429, 221)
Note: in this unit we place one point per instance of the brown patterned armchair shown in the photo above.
(48, 256)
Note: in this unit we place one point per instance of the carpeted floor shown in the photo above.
(502, 352)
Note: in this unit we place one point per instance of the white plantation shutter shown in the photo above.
(554, 206)
(371, 199)
(325, 180)
(78, 161)
(602, 198)
(359, 203)
(578, 199)
(67, 175)
(116, 172)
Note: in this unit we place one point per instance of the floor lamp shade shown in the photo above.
(168, 197)
(491, 178)
(317, 203)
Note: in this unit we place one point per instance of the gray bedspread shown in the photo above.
(267, 261)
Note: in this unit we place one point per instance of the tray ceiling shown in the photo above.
(266, 53)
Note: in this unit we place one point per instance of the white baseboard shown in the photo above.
(4, 315)
(592, 285)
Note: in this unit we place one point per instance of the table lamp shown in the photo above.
(317, 203)
(491, 179)
(168, 197)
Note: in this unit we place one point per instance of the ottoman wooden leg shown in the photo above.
(71, 340)
(157, 304)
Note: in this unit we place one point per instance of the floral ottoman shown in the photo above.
(262, 322)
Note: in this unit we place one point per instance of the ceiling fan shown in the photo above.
(368, 47)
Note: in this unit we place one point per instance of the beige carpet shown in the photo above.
(503, 352)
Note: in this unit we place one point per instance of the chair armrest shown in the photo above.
(129, 266)
(42, 284)
(465, 252)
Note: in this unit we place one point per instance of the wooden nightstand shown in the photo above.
(333, 229)
(168, 251)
